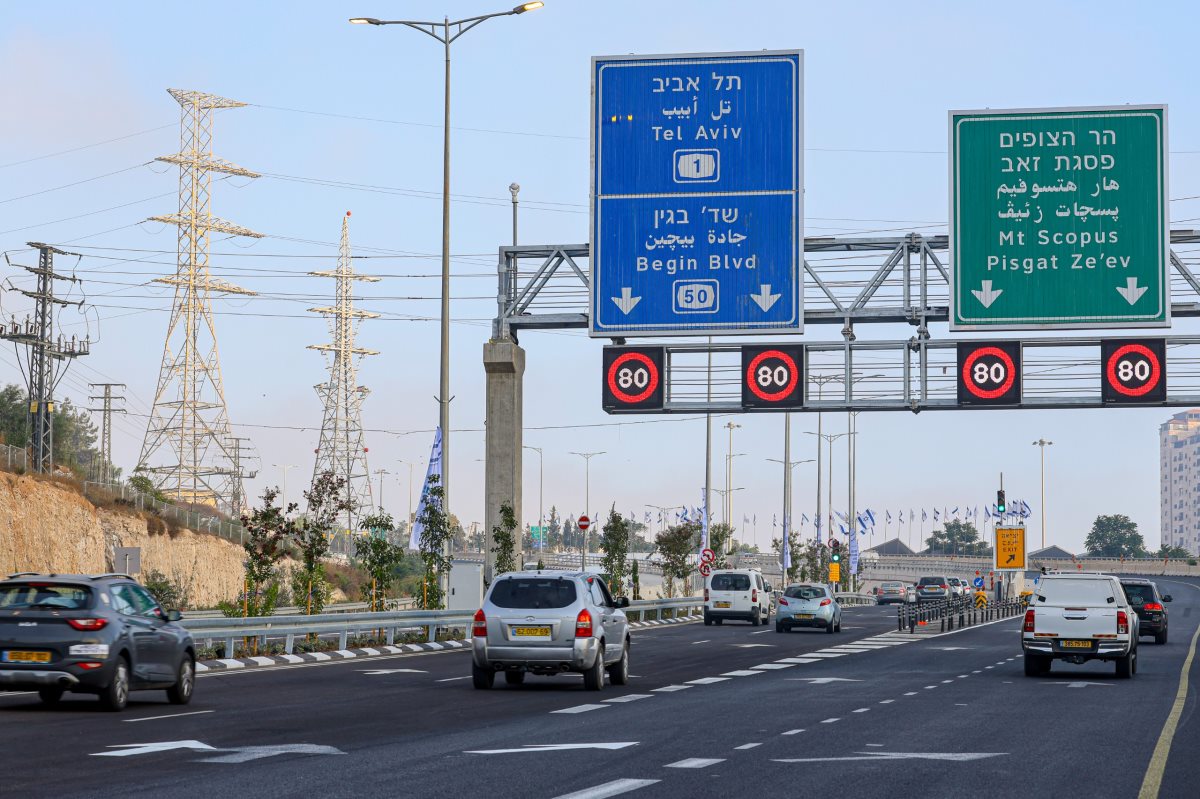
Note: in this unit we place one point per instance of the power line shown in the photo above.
(85, 146)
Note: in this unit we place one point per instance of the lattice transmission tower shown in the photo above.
(187, 448)
(342, 449)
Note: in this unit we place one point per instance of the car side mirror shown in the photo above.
(1166, 597)
(174, 615)
(622, 602)
(767, 587)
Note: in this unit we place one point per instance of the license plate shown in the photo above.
(1077, 644)
(14, 656)
(804, 615)
(531, 632)
(721, 604)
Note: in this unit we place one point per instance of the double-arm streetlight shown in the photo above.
(1043, 443)
(587, 499)
(541, 484)
(446, 32)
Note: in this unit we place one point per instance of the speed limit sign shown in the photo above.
(772, 377)
(633, 379)
(989, 373)
(1133, 371)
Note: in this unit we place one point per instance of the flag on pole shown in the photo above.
(787, 550)
(434, 470)
(924, 515)
(854, 554)
(774, 520)
(935, 514)
(871, 516)
(888, 518)
(987, 514)
(803, 519)
(900, 518)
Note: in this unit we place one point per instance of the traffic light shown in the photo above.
(1000, 505)
(835, 552)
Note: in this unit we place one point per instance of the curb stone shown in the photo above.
(235, 664)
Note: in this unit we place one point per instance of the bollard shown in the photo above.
(342, 639)
(289, 644)
(391, 635)
(230, 651)
(432, 633)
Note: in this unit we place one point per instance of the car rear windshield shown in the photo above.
(955, 581)
(1075, 591)
(1139, 595)
(932, 581)
(730, 582)
(42, 596)
(527, 593)
(893, 585)
(805, 592)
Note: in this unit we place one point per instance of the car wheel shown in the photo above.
(50, 696)
(839, 625)
(778, 626)
(593, 678)
(116, 694)
(1161, 638)
(618, 673)
(718, 621)
(1126, 666)
(829, 627)
(1035, 665)
(754, 617)
(482, 678)
(181, 692)
(707, 620)
(514, 677)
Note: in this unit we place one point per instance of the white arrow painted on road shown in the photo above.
(951, 756)
(1130, 291)
(822, 680)
(145, 749)
(243, 754)
(765, 299)
(551, 748)
(987, 296)
(626, 302)
(1078, 684)
(393, 671)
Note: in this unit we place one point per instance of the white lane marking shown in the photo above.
(944, 682)
(799, 660)
(144, 749)
(629, 698)
(452, 679)
(760, 632)
(792, 732)
(705, 641)
(962, 676)
(830, 721)
(1079, 684)
(669, 688)
(960, 704)
(551, 748)
(773, 666)
(751, 646)
(614, 788)
(911, 693)
(976, 671)
(696, 762)
(989, 667)
(580, 708)
(826, 654)
(873, 744)
(821, 680)
(747, 746)
(172, 716)
(952, 756)
(886, 702)
(376, 672)
(740, 673)
(861, 710)
(707, 680)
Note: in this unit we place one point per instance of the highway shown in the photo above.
(710, 711)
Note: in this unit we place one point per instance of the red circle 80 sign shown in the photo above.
(989, 373)
(772, 377)
(633, 379)
(1133, 371)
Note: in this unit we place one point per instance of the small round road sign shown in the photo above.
(584, 523)
(633, 378)
(989, 374)
(707, 555)
(771, 376)
(1134, 371)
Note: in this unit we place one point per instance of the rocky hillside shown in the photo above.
(49, 527)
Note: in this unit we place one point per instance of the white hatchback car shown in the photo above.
(737, 594)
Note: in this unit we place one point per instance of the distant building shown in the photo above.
(1179, 480)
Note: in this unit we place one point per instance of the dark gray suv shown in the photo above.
(102, 634)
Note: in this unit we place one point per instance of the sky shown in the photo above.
(348, 118)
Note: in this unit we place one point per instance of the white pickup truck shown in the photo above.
(1076, 618)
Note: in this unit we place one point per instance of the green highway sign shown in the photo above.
(1058, 218)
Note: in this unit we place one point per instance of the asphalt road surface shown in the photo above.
(710, 711)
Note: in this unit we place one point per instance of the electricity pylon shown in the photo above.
(106, 410)
(342, 449)
(187, 447)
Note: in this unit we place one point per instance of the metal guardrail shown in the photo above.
(229, 630)
(294, 610)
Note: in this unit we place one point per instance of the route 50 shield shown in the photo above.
(633, 379)
(772, 377)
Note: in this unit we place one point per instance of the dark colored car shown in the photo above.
(104, 634)
(933, 589)
(1150, 607)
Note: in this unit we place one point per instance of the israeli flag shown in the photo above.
(774, 520)
(1026, 511)
(871, 516)
(647, 518)
(954, 512)
(683, 517)
(842, 527)
(987, 514)
(924, 515)
(787, 549)
(803, 519)
(434, 470)
(888, 517)
(935, 514)
(841, 515)
(900, 519)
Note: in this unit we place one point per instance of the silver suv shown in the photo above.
(550, 622)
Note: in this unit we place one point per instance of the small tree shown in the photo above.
(1115, 536)
(1166, 552)
(957, 538)
(635, 579)
(719, 536)
(676, 545)
(797, 553)
(268, 531)
(554, 533)
(326, 501)
(378, 557)
(614, 540)
(435, 532)
(504, 534)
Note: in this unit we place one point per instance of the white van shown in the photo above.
(737, 594)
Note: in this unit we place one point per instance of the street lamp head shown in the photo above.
(521, 9)
(365, 21)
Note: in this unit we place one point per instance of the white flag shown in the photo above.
(435, 468)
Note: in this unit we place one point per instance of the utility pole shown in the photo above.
(538, 450)
(1043, 443)
(513, 189)
(730, 426)
(106, 410)
(381, 473)
(283, 467)
(587, 499)
(45, 351)
(235, 455)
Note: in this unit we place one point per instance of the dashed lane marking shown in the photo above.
(886, 701)
(792, 732)
(614, 788)
(580, 708)
(911, 693)
(830, 721)
(773, 666)
(741, 673)
(799, 660)
(707, 680)
(696, 762)
(629, 698)
(861, 710)
(747, 746)
(666, 689)
(171, 716)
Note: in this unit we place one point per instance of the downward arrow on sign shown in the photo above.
(765, 299)
(1130, 291)
(626, 302)
(987, 296)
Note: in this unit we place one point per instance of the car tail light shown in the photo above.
(89, 665)
(705, 594)
(479, 625)
(583, 624)
(1152, 606)
(1122, 622)
(1028, 621)
(826, 601)
(783, 602)
(945, 587)
(753, 594)
(88, 624)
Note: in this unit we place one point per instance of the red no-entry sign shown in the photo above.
(584, 523)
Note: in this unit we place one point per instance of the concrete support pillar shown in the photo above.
(504, 363)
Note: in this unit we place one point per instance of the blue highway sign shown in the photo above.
(697, 194)
(978, 582)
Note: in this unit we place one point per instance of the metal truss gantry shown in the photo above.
(342, 450)
(187, 447)
(846, 283)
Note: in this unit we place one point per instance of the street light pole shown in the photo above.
(1042, 444)
(730, 426)
(381, 473)
(541, 484)
(284, 468)
(587, 499)
(441, 32)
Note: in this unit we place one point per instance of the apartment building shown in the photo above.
(1179, 480)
